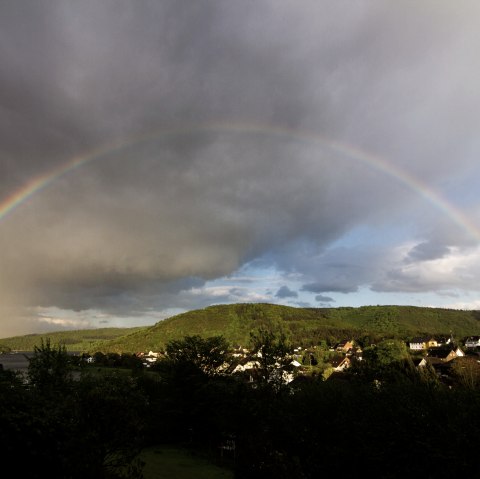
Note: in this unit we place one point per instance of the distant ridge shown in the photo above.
(301, 325)
(77, 340)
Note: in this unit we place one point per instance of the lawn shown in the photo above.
(164, 462)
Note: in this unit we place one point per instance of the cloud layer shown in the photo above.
(221, 108)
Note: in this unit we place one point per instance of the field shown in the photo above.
(163, 462)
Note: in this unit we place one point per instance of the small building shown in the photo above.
(442, 355)
(426, 342)
(459, 352)
(244, 365)
(418, 343)
(356, 352)
(340, 363)
(419, 362)
(473, 342)
(344, 346)
(431, 342)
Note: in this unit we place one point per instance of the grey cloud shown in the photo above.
(220, 190)
(338, 287)
(286, 292)
(336, 269)
(457, 271)
(324, 299)
(426, 251)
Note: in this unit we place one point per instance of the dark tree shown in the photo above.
(49, 368)
(211, 355)
(273, 354)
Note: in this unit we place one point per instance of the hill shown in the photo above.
(79, 340)
(303, 326)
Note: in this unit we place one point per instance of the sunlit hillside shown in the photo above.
(79, 340)
(302, 326)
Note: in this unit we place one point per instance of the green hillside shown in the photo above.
(79, 340)
(303, 326)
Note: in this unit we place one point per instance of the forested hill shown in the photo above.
(303, 326)
(79, 340)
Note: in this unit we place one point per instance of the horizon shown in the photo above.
(67, 330)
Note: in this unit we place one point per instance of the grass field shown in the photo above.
(164, 462)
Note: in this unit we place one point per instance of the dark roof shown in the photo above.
(440, 353)
(417, 361)
(439, 366)
(420, 339)
(442, 339)
(337, 360)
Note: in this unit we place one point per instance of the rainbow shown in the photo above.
(38, 183)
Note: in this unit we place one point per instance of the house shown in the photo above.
(418, 343)
(150, 358)
(356, 352)
(419, 362)
(473, 342)
(444, 340)
(441, 355)
(244, 365)
(431, 343)
(239, 352)
(344, 346)
(340, 363)
(459, 352)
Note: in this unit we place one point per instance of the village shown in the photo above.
(440, 354)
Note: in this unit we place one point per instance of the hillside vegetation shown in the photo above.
(302, 326)
(79, 340)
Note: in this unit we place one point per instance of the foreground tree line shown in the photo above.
(384, 417)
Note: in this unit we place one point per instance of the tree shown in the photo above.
(49, 368)
(211, 355)
(387, 360)
(387, 352)
(466, 372)
(272, 353)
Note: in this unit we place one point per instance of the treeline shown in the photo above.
(384, 418)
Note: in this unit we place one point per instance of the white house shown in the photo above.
(417, 344)
(472, 342)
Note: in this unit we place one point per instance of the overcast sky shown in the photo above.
(310, 153)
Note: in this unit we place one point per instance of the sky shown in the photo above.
(159, 156)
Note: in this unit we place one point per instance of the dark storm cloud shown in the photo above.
(286, 292)
(118, 232)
